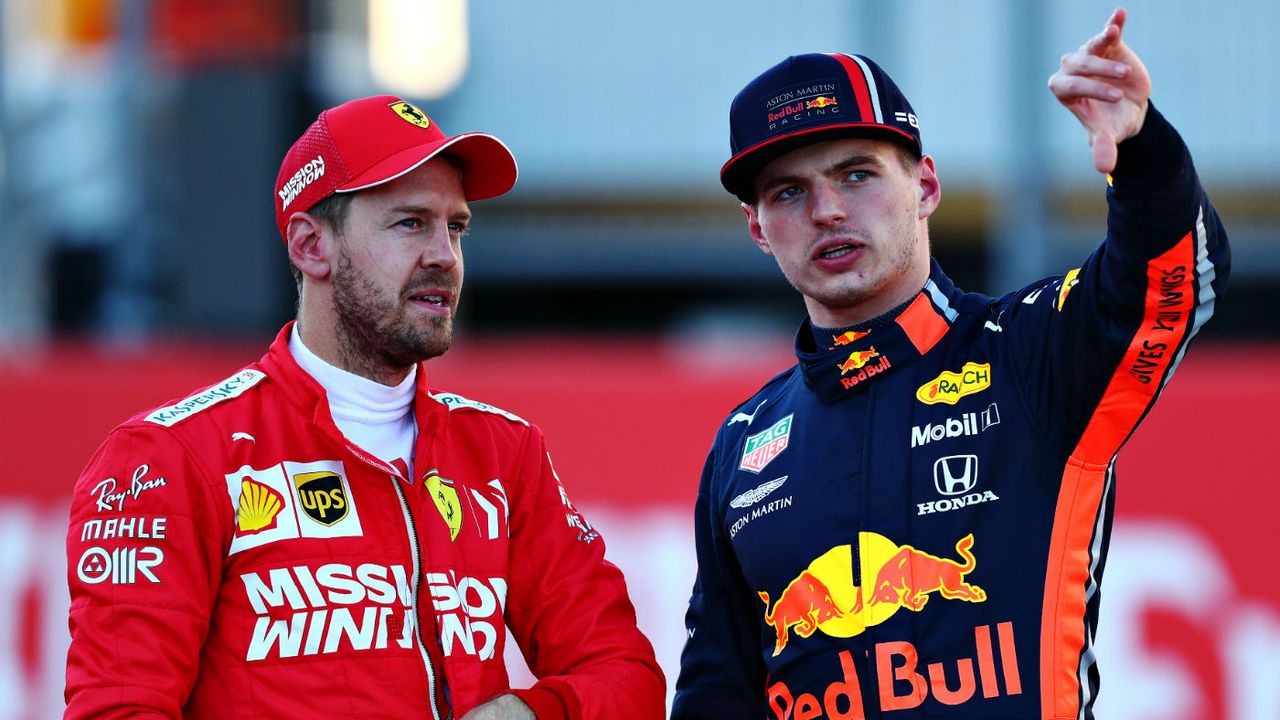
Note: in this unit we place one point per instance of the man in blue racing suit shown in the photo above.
(913, 520)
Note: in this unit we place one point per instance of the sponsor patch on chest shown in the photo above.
(760, 449)
(291, 500)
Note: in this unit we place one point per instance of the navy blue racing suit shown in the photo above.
(912, 522)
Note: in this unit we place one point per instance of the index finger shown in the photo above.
(1110, 35)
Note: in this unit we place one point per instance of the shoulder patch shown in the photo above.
(231, 387)
(455, 402)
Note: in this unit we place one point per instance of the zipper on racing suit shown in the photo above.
(417, 623)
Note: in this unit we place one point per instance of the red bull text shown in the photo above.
(901, 682)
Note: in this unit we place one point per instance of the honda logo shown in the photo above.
(955, 474)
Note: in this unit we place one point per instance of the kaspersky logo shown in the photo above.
(824, 597)
(949, 387)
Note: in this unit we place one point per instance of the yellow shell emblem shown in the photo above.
(257, 508)
(411, 114)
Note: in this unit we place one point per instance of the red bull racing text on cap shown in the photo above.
(811, 98)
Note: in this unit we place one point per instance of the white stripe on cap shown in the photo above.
(871, 85)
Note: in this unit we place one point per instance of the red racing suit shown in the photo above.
(233, 555)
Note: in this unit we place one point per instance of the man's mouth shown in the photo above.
(837, 251)
(430, 299)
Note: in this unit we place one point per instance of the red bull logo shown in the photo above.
(865, 373)
(825, 597)
(906, 680)
(848, 337)
(858, 359)
(820, 102)
(806, 602)
(910, 575)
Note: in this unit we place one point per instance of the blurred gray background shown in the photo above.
(141, 139)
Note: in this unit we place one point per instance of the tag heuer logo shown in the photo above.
(761, 448)
(323, 497)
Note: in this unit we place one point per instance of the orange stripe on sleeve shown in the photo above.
(1133, 387)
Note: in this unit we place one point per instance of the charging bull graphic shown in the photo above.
(825, 595)
(806, 602)
(858, 359)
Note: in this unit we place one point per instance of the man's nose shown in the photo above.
(826, 204)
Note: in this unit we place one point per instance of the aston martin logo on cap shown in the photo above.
(411, 114)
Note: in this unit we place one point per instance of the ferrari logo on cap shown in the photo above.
(411, 114)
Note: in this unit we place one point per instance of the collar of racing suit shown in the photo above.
(303, 391)
(853, 359)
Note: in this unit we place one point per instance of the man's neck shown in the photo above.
(334, 349)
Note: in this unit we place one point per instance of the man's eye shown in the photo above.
(458, 228)
(410, 223)
(857, 175)
(787, 193)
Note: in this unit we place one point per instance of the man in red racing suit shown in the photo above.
(236, 554)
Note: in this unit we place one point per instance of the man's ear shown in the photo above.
(753, 227)
(310, 244)
(930, 187)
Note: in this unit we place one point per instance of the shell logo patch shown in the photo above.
(949, 387)
(291, 500)
(411, 114)
(257, 508)
(445, 496)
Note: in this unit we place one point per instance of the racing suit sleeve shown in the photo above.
(144, 554)
(569, 611)
(722, 672)
(1103, 341)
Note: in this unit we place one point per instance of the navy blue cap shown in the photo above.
(812, 98)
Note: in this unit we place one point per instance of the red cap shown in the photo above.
(367, 142)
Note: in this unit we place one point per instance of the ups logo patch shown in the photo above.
(322, 496)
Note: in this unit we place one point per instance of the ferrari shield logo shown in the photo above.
(411, 114)
(445, 497)
(323, 497)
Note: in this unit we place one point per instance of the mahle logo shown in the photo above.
(761, 448)
(949, 387)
